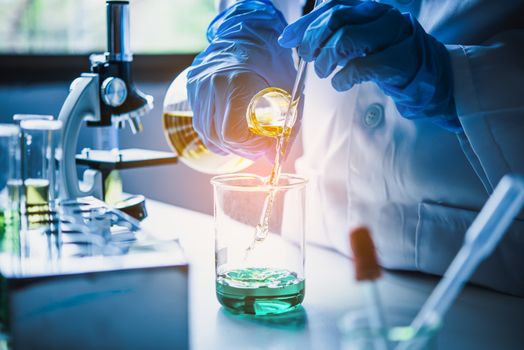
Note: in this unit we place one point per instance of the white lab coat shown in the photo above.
(417, 186)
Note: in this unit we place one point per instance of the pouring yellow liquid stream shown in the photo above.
(261, 121)
(264, 124)
(262, 229)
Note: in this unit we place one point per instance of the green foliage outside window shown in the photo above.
(79, 26)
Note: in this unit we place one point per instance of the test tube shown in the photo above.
(40, 189)
(9, 188)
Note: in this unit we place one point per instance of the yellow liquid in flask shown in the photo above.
(266, 113)
(184, 140)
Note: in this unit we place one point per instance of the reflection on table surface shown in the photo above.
(480, 319)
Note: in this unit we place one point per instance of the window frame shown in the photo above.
(40, 68)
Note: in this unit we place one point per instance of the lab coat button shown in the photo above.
(373, 116)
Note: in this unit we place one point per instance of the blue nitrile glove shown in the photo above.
(243, 58)
(375, 42)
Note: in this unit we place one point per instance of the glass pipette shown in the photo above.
(480, 240)
(262, 229)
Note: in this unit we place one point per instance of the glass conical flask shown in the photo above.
(183, 139)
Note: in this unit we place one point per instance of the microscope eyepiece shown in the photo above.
(122, 101)
(118, 38)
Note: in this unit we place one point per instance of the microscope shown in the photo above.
(105, 97)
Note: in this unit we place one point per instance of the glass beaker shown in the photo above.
(40, 188)
(18, 118)
(10, 184)
(270, 279)
(358, 334)
(184, 140)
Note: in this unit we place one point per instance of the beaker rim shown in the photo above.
(230, 182)
(41, 124)
(8, 130)
(21, 117)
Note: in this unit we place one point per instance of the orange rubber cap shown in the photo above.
(365, 258)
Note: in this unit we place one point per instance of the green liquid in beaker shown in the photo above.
(10, 218)
(260, 291)
(9, 231)
(3, 225)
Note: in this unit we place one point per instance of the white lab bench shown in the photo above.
(480, 319)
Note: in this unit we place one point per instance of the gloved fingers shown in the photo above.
(233, 131)
(205, 133)
(394, 66)
(246, 13)
(293, 34)
(210, 145)
(237, 138)
(356, 13)
(320, 32)
(354, 72)
(372, 36)
(337, 51)
(205, 129)
(203, 112)
(353, 41)
(254, 148)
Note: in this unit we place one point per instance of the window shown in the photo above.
(79, 26)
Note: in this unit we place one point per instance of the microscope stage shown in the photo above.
(124, 158)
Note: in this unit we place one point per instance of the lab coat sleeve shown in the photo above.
(489, 95)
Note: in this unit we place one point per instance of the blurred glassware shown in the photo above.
(83, 226)
(40, 161)
(10, 184)
(357, 333)
(89, 227)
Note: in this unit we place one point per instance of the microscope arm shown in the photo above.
(81, 104)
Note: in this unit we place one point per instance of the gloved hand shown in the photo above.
(375, 42)
(243, 58)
